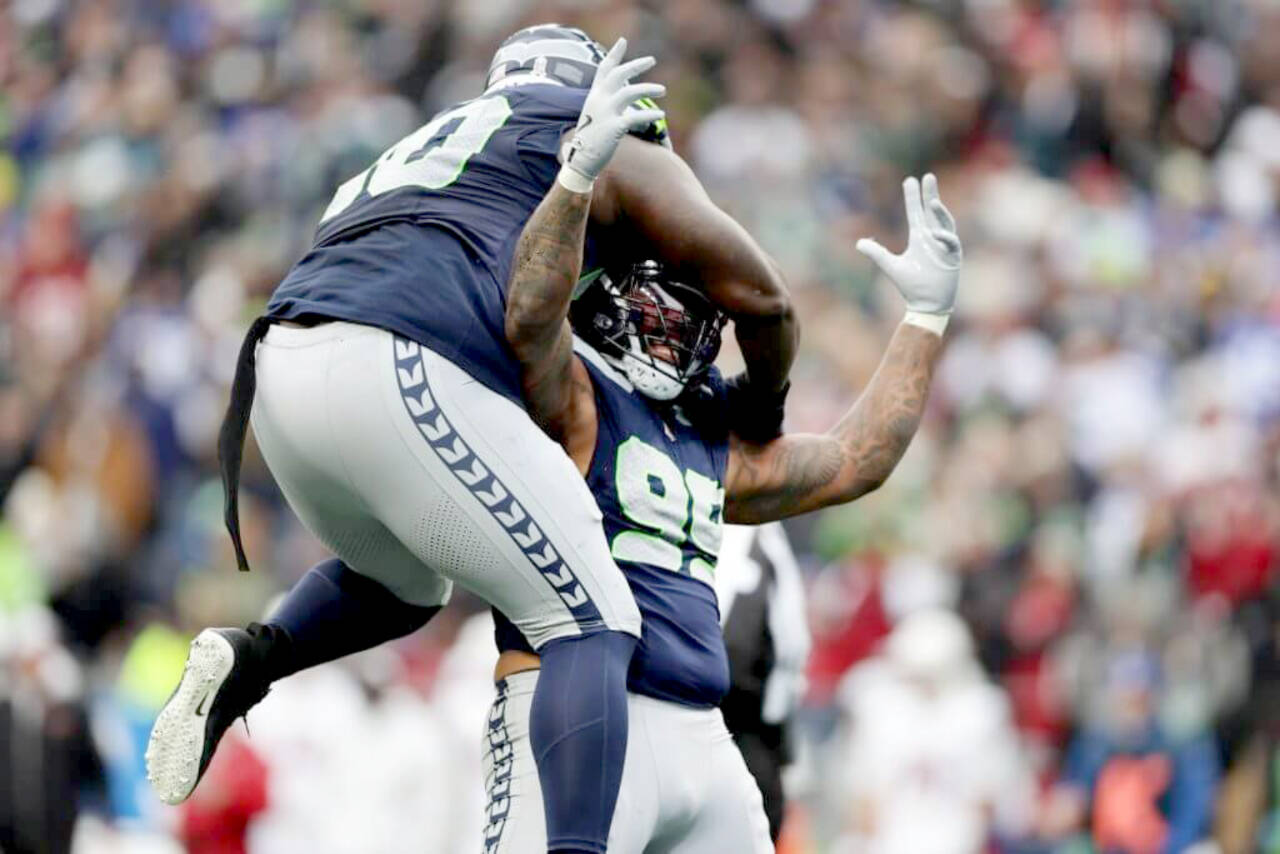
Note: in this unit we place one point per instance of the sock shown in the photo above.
(333, 611)
(578, 730)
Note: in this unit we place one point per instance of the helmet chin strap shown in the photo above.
(645, 377)
(651, 382)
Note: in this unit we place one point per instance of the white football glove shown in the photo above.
(928, 272)
(606, 117)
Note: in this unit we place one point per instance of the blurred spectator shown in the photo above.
(1098, 476)
(216, 819)
(367, 763)
(1249, 809)
(932, 762)
(1134, 788)
(51, 769)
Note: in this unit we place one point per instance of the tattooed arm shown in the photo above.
(798, 473)
(548, 258)
(795, 474)
(557, 388)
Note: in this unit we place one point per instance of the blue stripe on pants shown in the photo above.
(485, 486)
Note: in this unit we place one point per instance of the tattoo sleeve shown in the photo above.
(548, 258)
(799, 473)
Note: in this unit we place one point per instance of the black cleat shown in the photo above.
(219, 684)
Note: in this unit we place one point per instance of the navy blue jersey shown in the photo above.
(658, 482)
(421, 242)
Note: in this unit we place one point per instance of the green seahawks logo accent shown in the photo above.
(659, 128)
(585, 280)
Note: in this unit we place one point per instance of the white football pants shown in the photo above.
(416, 475)
(685, 787)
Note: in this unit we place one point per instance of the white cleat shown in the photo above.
(213, 692)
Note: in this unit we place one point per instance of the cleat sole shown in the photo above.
(178, 737)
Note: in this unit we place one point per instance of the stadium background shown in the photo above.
(1094, 488)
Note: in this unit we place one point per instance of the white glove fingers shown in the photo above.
(947, 239)
(632, 68)
(637, 120)
(915, 207)
(880, 256)
(609, 111)
(941, 216)
(933, 201)
(630, 94)
(930, 187)
(612, 58)
(927, 273)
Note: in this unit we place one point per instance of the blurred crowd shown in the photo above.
(1056, 629)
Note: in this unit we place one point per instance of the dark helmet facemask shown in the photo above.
(661, 334)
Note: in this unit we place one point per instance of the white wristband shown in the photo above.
(574, 181)
(935, 323)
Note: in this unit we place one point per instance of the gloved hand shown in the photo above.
(607, 117)
(755, 414)
(928, 272)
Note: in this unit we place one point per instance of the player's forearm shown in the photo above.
(875, 433)
(548, 258)
(797, 473)
(745, 282)
(768, 346)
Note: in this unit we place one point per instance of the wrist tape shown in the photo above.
(935, 323)
(574, 181)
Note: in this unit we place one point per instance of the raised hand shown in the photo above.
(607, 117)
(928, 272)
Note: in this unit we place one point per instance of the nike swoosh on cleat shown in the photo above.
(201, 708)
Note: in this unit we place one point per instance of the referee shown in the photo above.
(762, 611)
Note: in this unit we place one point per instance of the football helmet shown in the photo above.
(564, 56)
(559, 54)
(660, 333)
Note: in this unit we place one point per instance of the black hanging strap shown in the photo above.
(234, 426)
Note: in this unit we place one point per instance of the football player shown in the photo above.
(635, 403)
(389, 408)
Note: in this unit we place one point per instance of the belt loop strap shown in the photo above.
(235, 424)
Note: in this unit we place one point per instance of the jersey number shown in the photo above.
(432, 157)
(672, 507)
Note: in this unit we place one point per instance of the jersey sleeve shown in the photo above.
(539, 151)
(549, 112)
